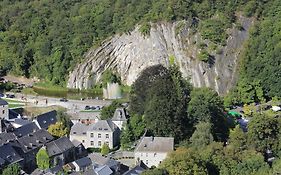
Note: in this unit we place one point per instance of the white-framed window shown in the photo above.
(146, 162)
(99, 135)
(107, 136)
(92, 143)
(92, 134)
(99, 143)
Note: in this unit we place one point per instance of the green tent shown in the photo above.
(234, 114)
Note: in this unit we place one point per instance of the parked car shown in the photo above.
(1, 95)
(63, 99)
(10, 96)
(87, 108)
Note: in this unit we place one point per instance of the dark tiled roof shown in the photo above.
(21, 122)
(6, 137)
(3, 102)
(59, 146)
(138, 169)
(46, 119)
(35, 140)
(84, 162)
(26, 129)
(8, 154)
(13, 114)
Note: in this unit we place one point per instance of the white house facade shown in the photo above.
(153, 150)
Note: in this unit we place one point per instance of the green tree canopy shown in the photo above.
(206, 106)
(107, 112)
(42, 159)
(58, 130)
(12, 169)
(264, 133)
(202, 135)
(105, 149)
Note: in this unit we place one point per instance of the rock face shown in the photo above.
(129, 54)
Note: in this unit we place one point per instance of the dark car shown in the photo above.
(63, 99)
(87, 107)
(1, 95)
(10, 96)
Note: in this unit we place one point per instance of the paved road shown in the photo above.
(71, 105)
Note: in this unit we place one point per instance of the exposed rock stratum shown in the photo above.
(128, 54)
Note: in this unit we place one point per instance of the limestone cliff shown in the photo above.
(128, 54)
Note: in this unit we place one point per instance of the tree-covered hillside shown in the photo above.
(47, 38)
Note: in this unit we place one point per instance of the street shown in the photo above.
(70, 105)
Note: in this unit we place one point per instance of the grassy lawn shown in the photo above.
(15, 105)
(29, 91)
(11, 101)
(34, 111)
(90, 111)
(49, 86)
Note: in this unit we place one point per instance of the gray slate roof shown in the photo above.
(6, 137)
(46, 119)
(100, 160)
(13, 114)
(79, 129)
(103, 125)
(8, 154)
(35, 140)
(83, 162)
(59, 146)
(3, 102)
(20, 121)
(103, 170)
(26, 129)
(120, 114)
(155, 144)
(138, 169)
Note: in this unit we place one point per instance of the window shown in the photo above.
(92, 143)
(107, 136)
(74, 133)
(99, 135)
(146, 162)
(155, 154)
(83, 141)
(84, 133)
(107, 143)
(3, 111)
(146, 154)
(99, 143)
(92, 134)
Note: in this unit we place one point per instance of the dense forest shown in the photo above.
(208, 140)
(48, 38)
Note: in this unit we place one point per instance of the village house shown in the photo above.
(95, 135)
(153, 150)
(4, 109)
(61, 151)
(43, 121)
(120, 117)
